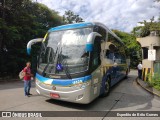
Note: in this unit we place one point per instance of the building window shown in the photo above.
(145, 53)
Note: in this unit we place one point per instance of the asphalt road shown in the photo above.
(125, 96)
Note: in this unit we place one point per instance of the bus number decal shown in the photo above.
(77, 82)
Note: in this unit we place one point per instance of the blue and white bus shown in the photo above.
(79, 62)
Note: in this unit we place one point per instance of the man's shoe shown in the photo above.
(29, 94)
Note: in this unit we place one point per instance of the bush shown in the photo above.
(155, 80)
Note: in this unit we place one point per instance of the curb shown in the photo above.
(150, 91)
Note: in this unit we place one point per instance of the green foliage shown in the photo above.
(69, 17)
(155, 80)
(143, 31)
(133, 48)
(21, 21)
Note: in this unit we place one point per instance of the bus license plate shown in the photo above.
(54, 95)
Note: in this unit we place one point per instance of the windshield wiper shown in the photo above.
(64, 62)
(66, 70)
(54, 62)
(58, 58)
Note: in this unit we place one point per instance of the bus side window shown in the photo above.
(109, 54)
(123, 58)
(118, 58)
(95, 62)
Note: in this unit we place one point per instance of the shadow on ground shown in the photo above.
(115, 101)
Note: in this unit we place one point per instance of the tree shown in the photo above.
(69, 17)
(133, 48)
(142, 31)
(22, 21)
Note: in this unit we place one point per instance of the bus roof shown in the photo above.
(82, 25)
(71, 26)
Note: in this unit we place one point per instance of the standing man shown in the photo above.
(140, 70)
(27, 79)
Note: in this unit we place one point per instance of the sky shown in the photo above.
(116, 14)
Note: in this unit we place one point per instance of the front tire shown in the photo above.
(106, 87)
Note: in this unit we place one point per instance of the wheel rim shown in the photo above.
(106, 86)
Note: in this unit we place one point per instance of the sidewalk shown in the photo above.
(145, 86)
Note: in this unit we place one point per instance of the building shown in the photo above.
(149, 43)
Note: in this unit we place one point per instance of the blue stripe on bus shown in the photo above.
(89, 47)
(63, 82)
(28, 51)
(71, 26)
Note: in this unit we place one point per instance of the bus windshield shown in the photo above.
(67, 49)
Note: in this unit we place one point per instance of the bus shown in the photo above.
(79, 62)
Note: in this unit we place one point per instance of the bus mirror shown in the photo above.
(112, 47)
(90, 41)
(31, 42)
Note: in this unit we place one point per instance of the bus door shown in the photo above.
(95, 68)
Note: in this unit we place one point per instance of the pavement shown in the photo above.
(127, 96)
(147, 87)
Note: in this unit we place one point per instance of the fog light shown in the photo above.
(79, 97)
(53, 88)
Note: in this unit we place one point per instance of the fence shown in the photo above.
(157, 67)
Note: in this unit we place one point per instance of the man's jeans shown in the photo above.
(27, 86)
(140, 74)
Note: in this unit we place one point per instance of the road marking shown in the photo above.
(112, 106)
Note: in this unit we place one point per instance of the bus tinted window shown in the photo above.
(96, 54)
(118, 55)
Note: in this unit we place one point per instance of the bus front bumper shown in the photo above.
(81, 96)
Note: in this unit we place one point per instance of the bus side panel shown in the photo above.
(122, 71)
(107, 73)
(96, 84)
(115, 73)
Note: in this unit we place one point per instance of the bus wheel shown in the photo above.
(106, 87)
